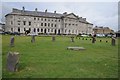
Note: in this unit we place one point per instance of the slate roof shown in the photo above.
(43, 14)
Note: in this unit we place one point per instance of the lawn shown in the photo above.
(47, 59)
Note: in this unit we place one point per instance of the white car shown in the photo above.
(84, 35)
(31, 34)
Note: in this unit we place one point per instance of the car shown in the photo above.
(100, 35)
(31, 34)
(84, 35)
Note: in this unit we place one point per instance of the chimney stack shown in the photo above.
(46, 11)
(65, 13)
(35, 9)
(23, 8)
(54, 11)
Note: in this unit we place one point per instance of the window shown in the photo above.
(11, 23)
(18, 22)
(48, 19)
(45, 24)
(34, 18)
(41, 30)
(12, 29)
(72, 31)
(69, 31)
(52, 25)
(48, 30)
(18, 29)
(65, 25)
(45, 19)
(38, 18)
(76, 24)
(48, 24)
(55, 25)
(29, 23)
(69, 24)
(29, 29)
(24, 29)
(38, 30)
(41, 19)
(72, 24)
(24, 22)
(34, 30)
(55, 20)
(59, 20)
(65, 30)
(41, 24)
(51, 30)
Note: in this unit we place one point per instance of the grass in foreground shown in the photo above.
(47, 59)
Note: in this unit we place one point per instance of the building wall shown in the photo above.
(103, 31)
(49, 25)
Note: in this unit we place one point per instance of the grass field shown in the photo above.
(47, 59)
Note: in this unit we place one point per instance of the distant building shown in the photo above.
(102, 30)
(46, 22)
(2, 27)
(117, 33)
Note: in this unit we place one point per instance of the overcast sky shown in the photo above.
(99, 13)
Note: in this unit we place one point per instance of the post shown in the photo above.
(12, 61)
(12, 41)
(53, 38)
(113, 41)
(72, 39)
(93, 39)
(33, 39)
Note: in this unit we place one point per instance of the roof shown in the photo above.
(44, 14)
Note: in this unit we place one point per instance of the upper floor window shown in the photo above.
(38, 18)
(24, 22)
(11, 22)
(41, 24)
(55, 25)
(52, 25)
(45, 24)
(48, 24)
(41, 19)
(18, 23)
(29, 23)
(34, 18)
(48, 19)
(45, 19)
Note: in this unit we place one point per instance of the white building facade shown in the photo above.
(46, 22)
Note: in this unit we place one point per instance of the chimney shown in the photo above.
(23, 8)
(46, 11)
(65, 13)
(54, 11)
(36, 9)
(84, 19)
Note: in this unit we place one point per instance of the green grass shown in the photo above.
(47, 59)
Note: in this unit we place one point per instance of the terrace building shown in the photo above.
(46, 22)
(102, 30)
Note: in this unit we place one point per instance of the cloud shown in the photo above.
(98, 13)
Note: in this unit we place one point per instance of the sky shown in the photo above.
(98, 13)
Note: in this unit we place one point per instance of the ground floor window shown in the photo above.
(18, 29)
(38, 30)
